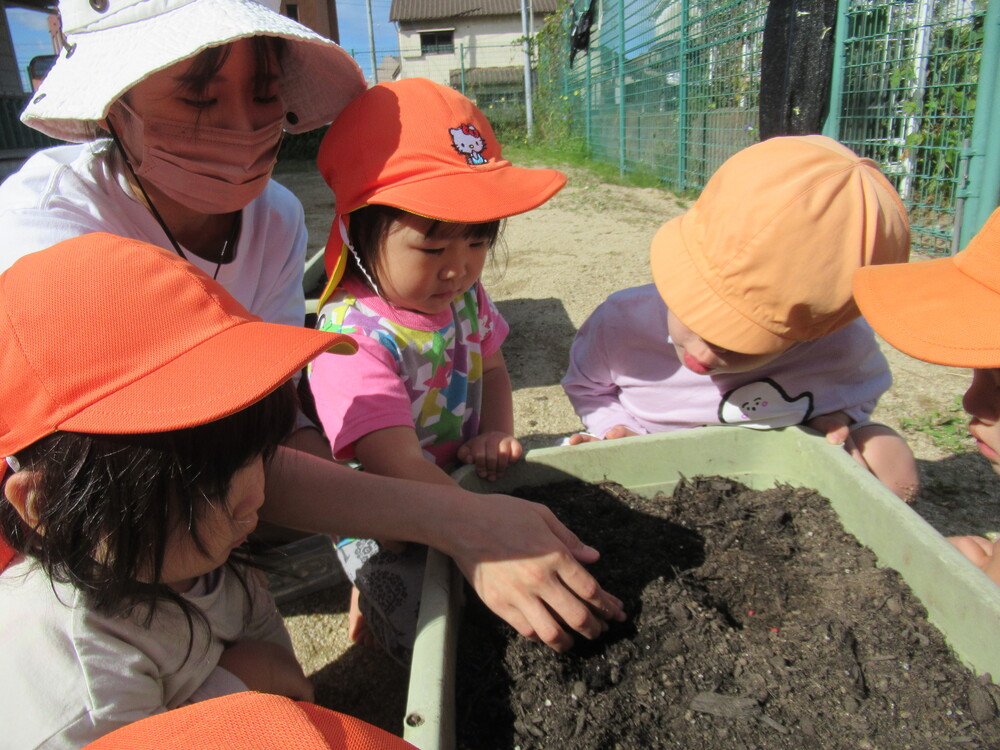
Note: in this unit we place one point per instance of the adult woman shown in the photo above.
(193, 96)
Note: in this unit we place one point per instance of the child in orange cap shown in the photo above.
(136, 472)
(251, 721)
(750, 321)
(945, 311)
(419, 209)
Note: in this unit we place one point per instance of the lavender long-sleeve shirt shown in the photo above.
(624, 370)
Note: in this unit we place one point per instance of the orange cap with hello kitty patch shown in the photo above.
(428, 150)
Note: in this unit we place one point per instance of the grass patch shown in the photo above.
(575, 157)
(948, 428)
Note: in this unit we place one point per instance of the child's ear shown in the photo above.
(21, 491)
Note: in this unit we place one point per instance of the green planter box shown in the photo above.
(959, 598)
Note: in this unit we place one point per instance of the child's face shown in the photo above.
(423, 273)
(704, 358)
(982, 401)
(224, 527)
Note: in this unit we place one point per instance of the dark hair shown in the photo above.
(107, 503)
(269, 54)
(369, 226)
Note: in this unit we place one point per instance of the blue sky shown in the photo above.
(353, 21)
(30, 32)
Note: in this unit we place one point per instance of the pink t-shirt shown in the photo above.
(411, 369)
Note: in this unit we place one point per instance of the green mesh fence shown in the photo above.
(909, 82)
(665, 89)
(670, 89)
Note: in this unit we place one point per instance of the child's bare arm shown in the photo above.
(495, 447)
(396, 452)
(876, 447)
(267, 668)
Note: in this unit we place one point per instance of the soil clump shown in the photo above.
(755, 621)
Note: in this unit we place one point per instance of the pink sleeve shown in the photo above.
(590, 382)
(358, 394)
(493, 327)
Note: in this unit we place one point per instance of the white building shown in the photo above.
(472, 45)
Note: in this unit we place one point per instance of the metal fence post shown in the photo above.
(682, 97)
(461, 65)
(831, 128)
(621, 88)
(984, 165)
(589, 123)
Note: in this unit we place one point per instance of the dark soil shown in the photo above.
(755, 621)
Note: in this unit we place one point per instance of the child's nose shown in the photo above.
(982, 400)
(453, 270)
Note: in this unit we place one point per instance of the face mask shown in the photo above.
(209, 170)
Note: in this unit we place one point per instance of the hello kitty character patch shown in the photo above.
(468, 142)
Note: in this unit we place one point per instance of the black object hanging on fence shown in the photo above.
(579, 40)
(796, 66)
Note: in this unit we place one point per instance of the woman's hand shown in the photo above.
(491, 452)
(267, 668)
(525, 565)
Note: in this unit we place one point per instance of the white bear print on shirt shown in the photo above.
(764, 405)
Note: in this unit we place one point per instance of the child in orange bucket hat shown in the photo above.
(945, 311)
(419, 209)
(136, 471)
(251, 721)
(750, 320)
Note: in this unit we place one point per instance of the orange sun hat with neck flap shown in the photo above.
(765, 256)
(946, 310)
(426, 149)
(82, 348)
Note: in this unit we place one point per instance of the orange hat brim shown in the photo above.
(475, 198)
(231, 361)
(932, 311)
(943, 311)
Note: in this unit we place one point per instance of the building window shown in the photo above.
(437, 42)
(292, 11)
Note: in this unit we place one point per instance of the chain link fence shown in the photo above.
(672, 89)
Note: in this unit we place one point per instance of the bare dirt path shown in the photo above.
(562, 260)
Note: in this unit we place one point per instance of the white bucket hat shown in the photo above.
(111, 45)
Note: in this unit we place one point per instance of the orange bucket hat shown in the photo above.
(945, 310)
(765, 255)
(113, 336)
(250, 721)
(428, 150)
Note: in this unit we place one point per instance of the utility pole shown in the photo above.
(528, 116)
(371, 40)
